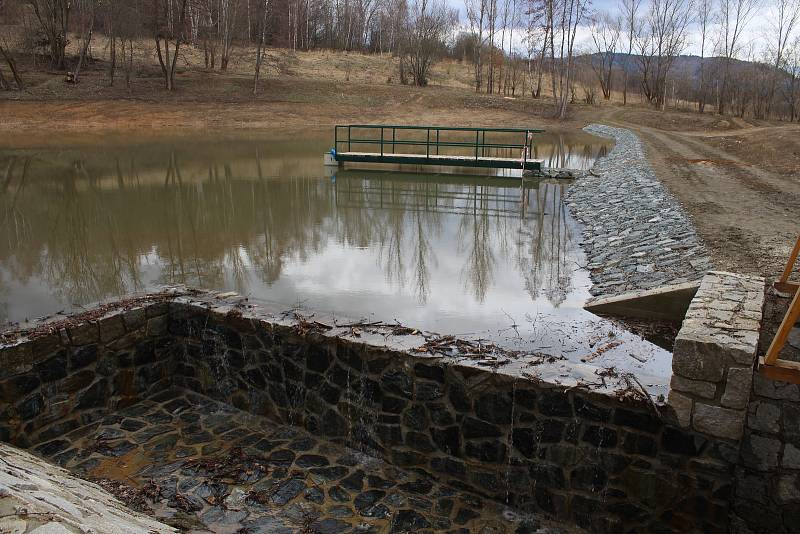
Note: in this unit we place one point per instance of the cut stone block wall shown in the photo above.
(714, 355)
(767, 486)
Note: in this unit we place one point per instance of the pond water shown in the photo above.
(481, 256)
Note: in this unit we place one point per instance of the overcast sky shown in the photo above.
(754, 34)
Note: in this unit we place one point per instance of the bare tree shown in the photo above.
(663, 38)
(733, 17)
(564, 17)
(86, 9)
(262, 35)
(53, 17)
(792, 90)
(166, 29)
(477, 13)
(535, 44)
(630, 16)
(492, 23)
(227, 13)
(429, 24)
(785, 17)
(605, 31)
(12, 65)
(705, 9)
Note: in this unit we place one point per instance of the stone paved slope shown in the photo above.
(40, 498)
(208, 467)
(635, 234)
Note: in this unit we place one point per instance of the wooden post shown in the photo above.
(792, 260)
(792, 315)
(771, 365)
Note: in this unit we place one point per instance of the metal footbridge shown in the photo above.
(506, 148)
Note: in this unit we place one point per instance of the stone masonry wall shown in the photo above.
(608, 464)
(51, 386)
(714, 355)
(767, 486)
(604, 464)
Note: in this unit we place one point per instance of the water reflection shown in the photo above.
(444, 251)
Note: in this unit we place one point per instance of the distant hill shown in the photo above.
(687, 65)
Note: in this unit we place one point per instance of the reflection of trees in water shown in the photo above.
(91, 235)
(543, 245)
(67, 237)
(562, 152)
(12, 220)
(538, 240)
(401, 220)
(475, 237)
(13, 224)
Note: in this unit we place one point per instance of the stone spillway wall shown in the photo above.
(604, 462)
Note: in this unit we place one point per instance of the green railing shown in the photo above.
(435, 138)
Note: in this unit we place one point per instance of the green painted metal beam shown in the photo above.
(422, 159)
(440, 128)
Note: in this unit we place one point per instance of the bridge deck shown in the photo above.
(436, 159)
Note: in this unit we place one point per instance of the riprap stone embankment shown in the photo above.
(635, 234)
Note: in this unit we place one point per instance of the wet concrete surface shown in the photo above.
(204, 466)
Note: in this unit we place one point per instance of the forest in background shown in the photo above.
(517, 48)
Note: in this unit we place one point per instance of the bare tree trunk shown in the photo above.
(112, 52)
(129, 64)
(86, 40)
(164, 61)
(12, 65)
(542, 55)
(262, 32)
(168, 65)
(53, 17)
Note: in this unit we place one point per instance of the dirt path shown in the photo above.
(746, 215)
(747, 130)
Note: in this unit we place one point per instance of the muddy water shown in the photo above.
(467, 255)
